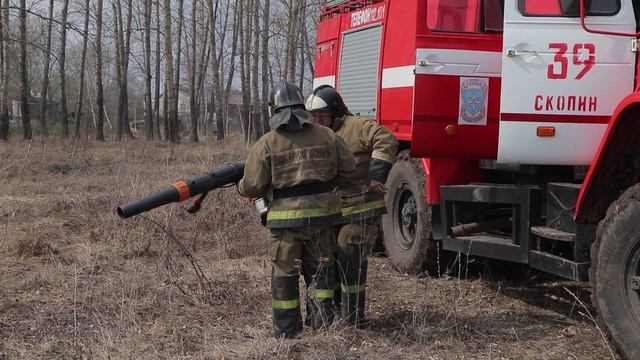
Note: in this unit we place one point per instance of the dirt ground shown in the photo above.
(76, 281)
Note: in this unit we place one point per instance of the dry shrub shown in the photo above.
(28, 244)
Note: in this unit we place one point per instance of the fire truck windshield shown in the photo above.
(568, 8)
(469, 16)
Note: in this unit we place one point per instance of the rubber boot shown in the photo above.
(353, 284)
(320, 295)
(337, 297)
(286, 306)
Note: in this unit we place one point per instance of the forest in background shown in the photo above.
(169, 70)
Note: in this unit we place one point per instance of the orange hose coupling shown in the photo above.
(183, 190)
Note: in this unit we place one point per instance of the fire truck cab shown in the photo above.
(517, 121)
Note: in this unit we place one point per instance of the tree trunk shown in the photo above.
(82, 65)
(178, 120)
(292, 35)
(170, 94)
(62, 59)
(148, 116)
(202, 69)
(193, 111)
(123, 40)
(247, 66)
(24, 74)
(303, 29)
(255, 52)
(45, 76)
(125, 74)
(4, 71)
(100, 89)
(245, 76)
(308, 47)
(118, 32)
(237, 23)
(165, 113)
(265, 67)
(156, 126)
(216, 100)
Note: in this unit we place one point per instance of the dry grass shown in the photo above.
(77, 281)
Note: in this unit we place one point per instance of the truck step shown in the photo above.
(486, 193)
(553, 234)
(560, 266)
(486, 245)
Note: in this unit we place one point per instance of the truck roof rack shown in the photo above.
(333, 3)
(336, 7)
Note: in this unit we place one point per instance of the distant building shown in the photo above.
(184, 97)
(233, 106)
(52, 109)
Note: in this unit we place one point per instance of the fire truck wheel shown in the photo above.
(407, 226)
(615, 272)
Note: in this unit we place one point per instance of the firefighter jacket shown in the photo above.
(374, 148)
(296, 172)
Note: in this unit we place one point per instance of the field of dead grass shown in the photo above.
(76, 281)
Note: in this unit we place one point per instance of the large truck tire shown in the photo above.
(615, 272)
(407, 226)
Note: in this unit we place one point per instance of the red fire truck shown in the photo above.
(519, 142)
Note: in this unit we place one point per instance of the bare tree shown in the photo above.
(193, 62)
(308, 46)
(118, 32)
(216, 55)
(165, 112)
(237, 24)
(4, 71)
(123, 40)
(156, 124)
(24, 74)
(99, 86)
(302, 14)
(45, 75)
(170, 94)
(82, 66)
(125, 68)
(245, 72)
(201, 75)
(148, 116)
(63, 74)
(265, 65)
(255, 54)
(177, 121)
(201, 101)
(292, 35)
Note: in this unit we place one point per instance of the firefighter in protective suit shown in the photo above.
(374, 149)
(295, 168)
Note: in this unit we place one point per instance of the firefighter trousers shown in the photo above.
(309, 251)
(354, 241)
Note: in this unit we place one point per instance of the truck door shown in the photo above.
(561, 83)
(457, 79)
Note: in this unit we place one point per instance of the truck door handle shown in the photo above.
(429, 63)
(519, 52)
